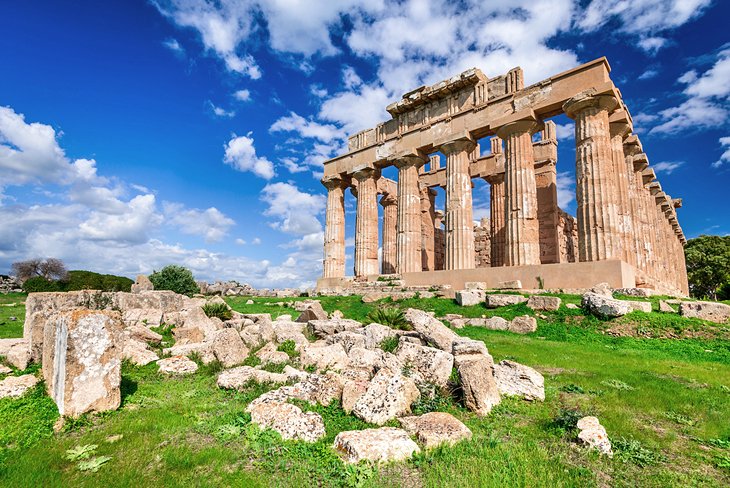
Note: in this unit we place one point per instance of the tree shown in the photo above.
(50, 269)
(175, 278)
(708, 265)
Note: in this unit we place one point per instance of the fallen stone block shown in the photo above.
(434, 365)
(501, 300)
(177, 365)
(142, 334)
(202, 349)
(475, 285)
(467, 298)
(665, 307)
(712, 311)
(289, 421)
(348, 340)
(593, 435)
(385, 444)
(431, 329)
(389, 395)
(515, 379)
(229, 348)
(375, 334)
(475, 368)
(604, 306)
(237, 378)
(328, 327)
(523, 325)
(312, 310)
(322, 356)
(492, 323)
(352, 391)
(269, 354)
(19, 355)
(509, 285)
(436, 428)
(138, 353)
(16, 386)
(145, 317)
(142, 283)
(543, 303)
(637, 306)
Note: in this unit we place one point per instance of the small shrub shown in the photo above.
(175, 278)
(389, 344)
(567, 419)
(617, 384)
(631, 450)
(679, 418)
(40, 284)
(572, 388)
(391, 316)
(289, 347)
(219, 310)
(432, 399)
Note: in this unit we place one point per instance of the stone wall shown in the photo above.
(482, 244)
(439, 248)
(567, 237)
(8, 284)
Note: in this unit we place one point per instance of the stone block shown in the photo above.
(389, 395)
(467, 298)
(496, 300)
(386, 444)
(712, 311)
(523, 324)
(543, 303)
(436, 428)
(509, 285)
(515, 379)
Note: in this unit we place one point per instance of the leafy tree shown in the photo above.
(50, 269)
(175, 278)
(708, 265)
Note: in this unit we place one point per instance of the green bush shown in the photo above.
(88, 280)
(40, 284)
(289, 347)
(219, 310)
(391, 316)
(175, 278)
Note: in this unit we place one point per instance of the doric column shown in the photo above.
(496, 145)
(632, 147)
(459, 212)
(366, 225)
(434, 162)
(619, 130)
(522, 239)
(496, 217)
(596, 199)
(439, 241)
(390, 219)
(547, 213)
(648, 176)
(428, 203)
(408, 248)
(334, 229)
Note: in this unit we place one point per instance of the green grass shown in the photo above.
(664, 402)
(12, 328)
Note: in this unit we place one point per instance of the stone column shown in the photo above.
(334, 229)
(496, 217)
(596, 200)
(434, 162)
(632, 147)
(547, 213)
(390, 219)
(459, 212)
(366, 225)
(439, 241)
(522, 240)
(647, 201)
(619, 130)
(428, 203)
(496, 145)
(408, 248)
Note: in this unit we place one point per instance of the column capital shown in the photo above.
(641, 162)
(622, 129)
(462, 141)
(332, 182)
(523, 122)
(586, 100)
(632, 146)
(494, 179)
(364, 173)
(409, 158)
(388, 199)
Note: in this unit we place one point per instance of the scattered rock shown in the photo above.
(593, 435)
(501, 300)
(348, 340)
(237, 378)
(492, 323)
(434, 365)
(229, 348)
(572, 306)
(665, 307)
(475, 285)
(389, 395)
(467, 298)
(328, 327)
(543, 303)
(712, 311)
(142, 284)
(636, 292)
(431, 329)
(385, 444)
(637, 306)
(289, 421)
(19, 355)
(15, 386)
(515, 379)
(366, 359)
(375, 334)
(249, 302)
(523, 325)
(323, 356)
(509, 285)
(475, 365)
(604, 306)
(436, 428)
(269, 354)
(603, 289)
(138, 353)
(352, 391)
(202, 349)
(5, 370)
(311, 310)
(142, 334)
(177, 365)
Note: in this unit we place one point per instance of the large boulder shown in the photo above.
(467, 298)
(324, 328)
(431, 329)
(196, 319)
(523, 324)
(165, 300)
(492, 323)
(436, 428)
(142, 283)
(368, 360)
(474, 365)
(543, 303)
(229, 348)
(15, 386)
(604, 306)
(502, 300)
(321, 356)
(33, 330)
(142, 334)
(289, 421)
(375, 334)
(201, 349)
(515, 379)
(138, 353)
(313, 388)
(712, 311)
(145, 317)
(389, 395)
(19, 355)
(593, 435)
(433, 365)
(270, 354)
(348, 340)
(82, 356)
(310, 310)
(238, 378)
(385, 444)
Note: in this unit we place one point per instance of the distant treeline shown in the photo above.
(79, 280)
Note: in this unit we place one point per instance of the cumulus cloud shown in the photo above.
(221, 112)
(240, 153)
(306, 128)
(210, 223)
(565, 131)
(242, 95)
(667, 167)
(725, 156)
(294, 211)
(566, 190)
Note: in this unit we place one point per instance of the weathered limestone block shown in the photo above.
(187, 335)
(492, 323)
(509, 285)
(142, 334)
(16, 386)
(498, 300)
(434, 365)
(142, 284)
(289, 421)
(467, 298)
(82, 356)
(385, 444)
(712, 311)
(389, 395)
(177, 365)
(165, 300)
(475, 367)
(229, 348)
(523, 325)
(196, 319)
(313, 388)
(312, 311)
(431, 329)
(604, 306)
(237, 378)
(665, 307)
(347, 339)
(138, 352)
(515, 379)
(593, 435)
(327, 327)
(475, 285)
(19, 355)
(393, 295)
(539, 302)
(375, 334)
(352, 391)
(269, 354)
(5, 370)
(202, 349)
(436, 428)
(33, 330)
(323, 356)
(6, 344)
(251, 336)
(637, 306)
(366, 359)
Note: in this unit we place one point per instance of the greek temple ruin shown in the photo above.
(625, 233)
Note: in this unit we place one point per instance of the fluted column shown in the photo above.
(522, 235)
(496, 217)
(647, 176)
(632, 147)
(408, 247)
(334, 229)
(596, 200)
(428, 203)
(459, 212)
(390, 219)
(619, 130)
(366, 225)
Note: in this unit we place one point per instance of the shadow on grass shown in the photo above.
(127, 387)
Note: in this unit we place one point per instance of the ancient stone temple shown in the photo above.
(625, 232)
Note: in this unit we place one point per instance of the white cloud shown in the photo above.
(295, 211)
(565, 131)
(725, 156)
(173, 46)
(652, 45)
(241, 154)
(306, 128)
(648, 74)
(240, 242)
(130, 225)
(256, 241)
(566, 190)
(293, 166)
(350, 78)
(667, 167)
(242, 95)
(318, 91)
(221, 112)
(210, 223)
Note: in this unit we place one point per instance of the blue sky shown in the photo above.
(137, 134)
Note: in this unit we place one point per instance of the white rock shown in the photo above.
(177, 365)
(229, 348)
(433, 364)
(289, 421)
(348, 340)
(237, 378)
(593, 435)
(389, 395)
(324, 356)
(523, 324)
(385, 444)
(19, 355)
(604, 306)
(474, 365)
(431, 329)
(202, 349)
(375, 334)
(324, 328)
(467, 298)
(436, 428)
(15, 386)
(515, 379)
(138, 353)
(543, 303)
(502, 300)
(712, 311)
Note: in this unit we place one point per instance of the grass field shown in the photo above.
(12, 305)
(660, 385)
